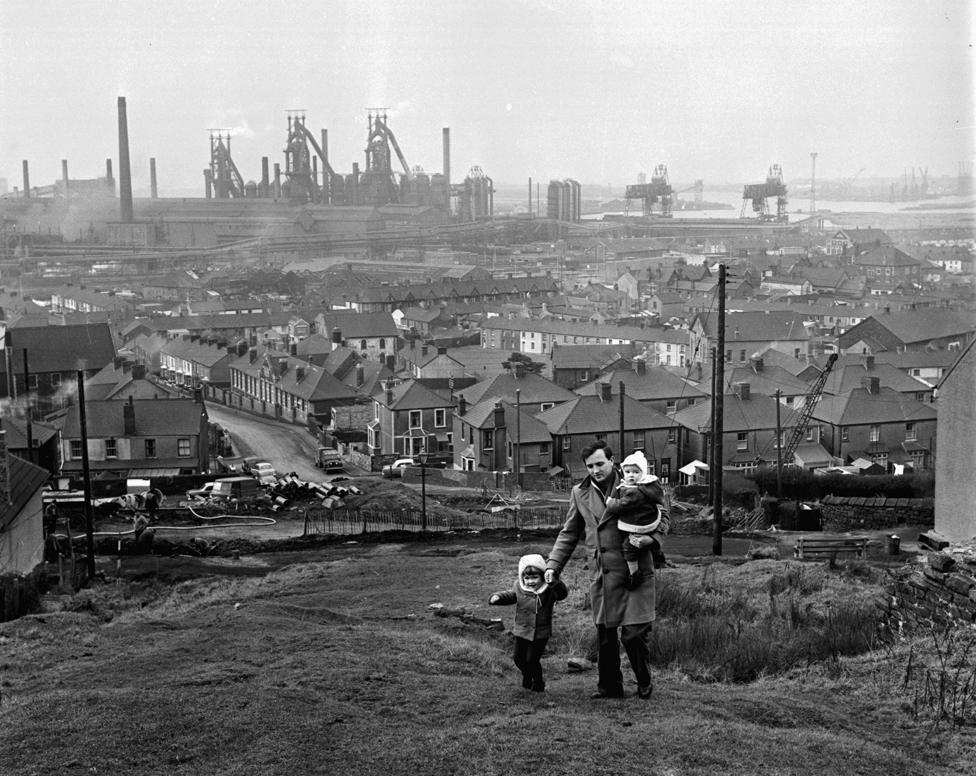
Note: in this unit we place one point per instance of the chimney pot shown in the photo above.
(462, 406)
(742, 390)
(871, 384)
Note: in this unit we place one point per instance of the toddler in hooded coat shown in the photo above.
(534, 601)
(637, 503)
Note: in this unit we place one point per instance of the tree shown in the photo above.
(526, 363)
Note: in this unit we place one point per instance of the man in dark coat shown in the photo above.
(614, 606)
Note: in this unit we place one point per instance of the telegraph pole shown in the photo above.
(86, 474)
(518, 438)
(779, 450)
(718, 399)
(621, 448)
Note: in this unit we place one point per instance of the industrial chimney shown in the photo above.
(125, 176)
(153, 191)
(26, 181)
(447, 156)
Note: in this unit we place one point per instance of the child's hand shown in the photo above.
(641, 540)
(549, 576)
(495, 598)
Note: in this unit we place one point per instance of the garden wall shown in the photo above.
(942, 592)
(842, 513)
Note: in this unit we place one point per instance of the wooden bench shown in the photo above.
(819, 547)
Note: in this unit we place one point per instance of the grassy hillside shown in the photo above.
(333, 661)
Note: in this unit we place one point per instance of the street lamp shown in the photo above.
(424, 456)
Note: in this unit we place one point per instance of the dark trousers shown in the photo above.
(528, 657)
(637, 645)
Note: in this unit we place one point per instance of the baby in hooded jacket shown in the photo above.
(637, 503)
(534, 601)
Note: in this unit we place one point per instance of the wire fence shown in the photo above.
(347, 522)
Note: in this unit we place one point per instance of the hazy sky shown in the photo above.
(597, 91)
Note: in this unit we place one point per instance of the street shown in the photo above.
(289, 448)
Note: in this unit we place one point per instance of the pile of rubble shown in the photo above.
(291, 487)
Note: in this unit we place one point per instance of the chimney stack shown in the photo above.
(869, 362)
(129, 418)
(640, 366)
(871, 384)
(64, 176)
(462, 406)
(606, 391)
(758, 362)
(299, 374)
(446, 134)
(336, 337)
(423, 351)
(389, 393)
(26, 181)
(391, 362)
(138, 371)
(360, 375)
(125, 176)
(153, 191)
(742, 390)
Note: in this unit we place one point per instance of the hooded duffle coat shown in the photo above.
(613, 605)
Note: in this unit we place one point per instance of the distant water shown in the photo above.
(797, 210)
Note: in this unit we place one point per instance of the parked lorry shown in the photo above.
(227, 488)
(329, 459)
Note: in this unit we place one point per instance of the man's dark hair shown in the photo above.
(591, 448)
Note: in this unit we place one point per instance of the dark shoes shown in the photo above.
(635, 580)
(540, 687)
(644, 693)
(603, 694)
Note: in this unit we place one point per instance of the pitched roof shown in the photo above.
(153, 418)
(355, 325)
(590, 356)
(85, 346)
(25, 480)
(592, 415)
(756, 412)
(757, 326)
(533, 389)
(530, 428)
(413, 395)
(860, 407)
(657, 383)
(885, 256)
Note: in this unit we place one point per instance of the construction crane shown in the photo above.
(809, 405)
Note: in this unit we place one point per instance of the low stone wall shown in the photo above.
(941, 592)
(843, 514)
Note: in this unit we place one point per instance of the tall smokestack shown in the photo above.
(265, 179)
(109, 180)
(26, 181)
(125, 176)
(325, 147)
(530, 195)
(153, 192)
(64, 175)
(447, 156)
(277, 180)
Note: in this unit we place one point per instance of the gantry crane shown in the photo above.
(758, 193)
(658, 190)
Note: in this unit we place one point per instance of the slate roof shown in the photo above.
(412, 395)
(657, 383)
(153, 418)
(25, 480)
(859, 407)
(316, 384)
(756, 326)
(86, 346)
(885, 256)
(847, 376)
(354, 325)
(533, 389)
(592, 415)
(590, 356)
(915, 326)
(530, 428)
(756, 412)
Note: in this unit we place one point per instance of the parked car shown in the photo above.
(395, 469)
(329, 459)
(264, 472)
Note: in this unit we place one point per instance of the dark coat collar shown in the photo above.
(587, 481)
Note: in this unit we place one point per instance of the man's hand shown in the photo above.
(641, 541)
(549, 576)
(495, 598)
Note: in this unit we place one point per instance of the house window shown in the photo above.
(742, 356)
(111, 448)
(812, 434)
(543, 448)
(567, 444)
(584, 375)
(508, 448)
(728, 355)
(183, 448)
(742, 440)
(910, 434)
(440, 418)
(150, 448)
(546, 405)
(672, 435)
(415, 418)
(671, 405)
(362, 344)
(796, 353)
(382, 343)
(55, 379)
(874, 434)
(76, 448)
(845, 435)
(32, 382)
(488, 439)
(789, 401)
(600, 437)
(637, 440)
(467, 464)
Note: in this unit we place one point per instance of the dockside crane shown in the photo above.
(759, 193)
(658, 190)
